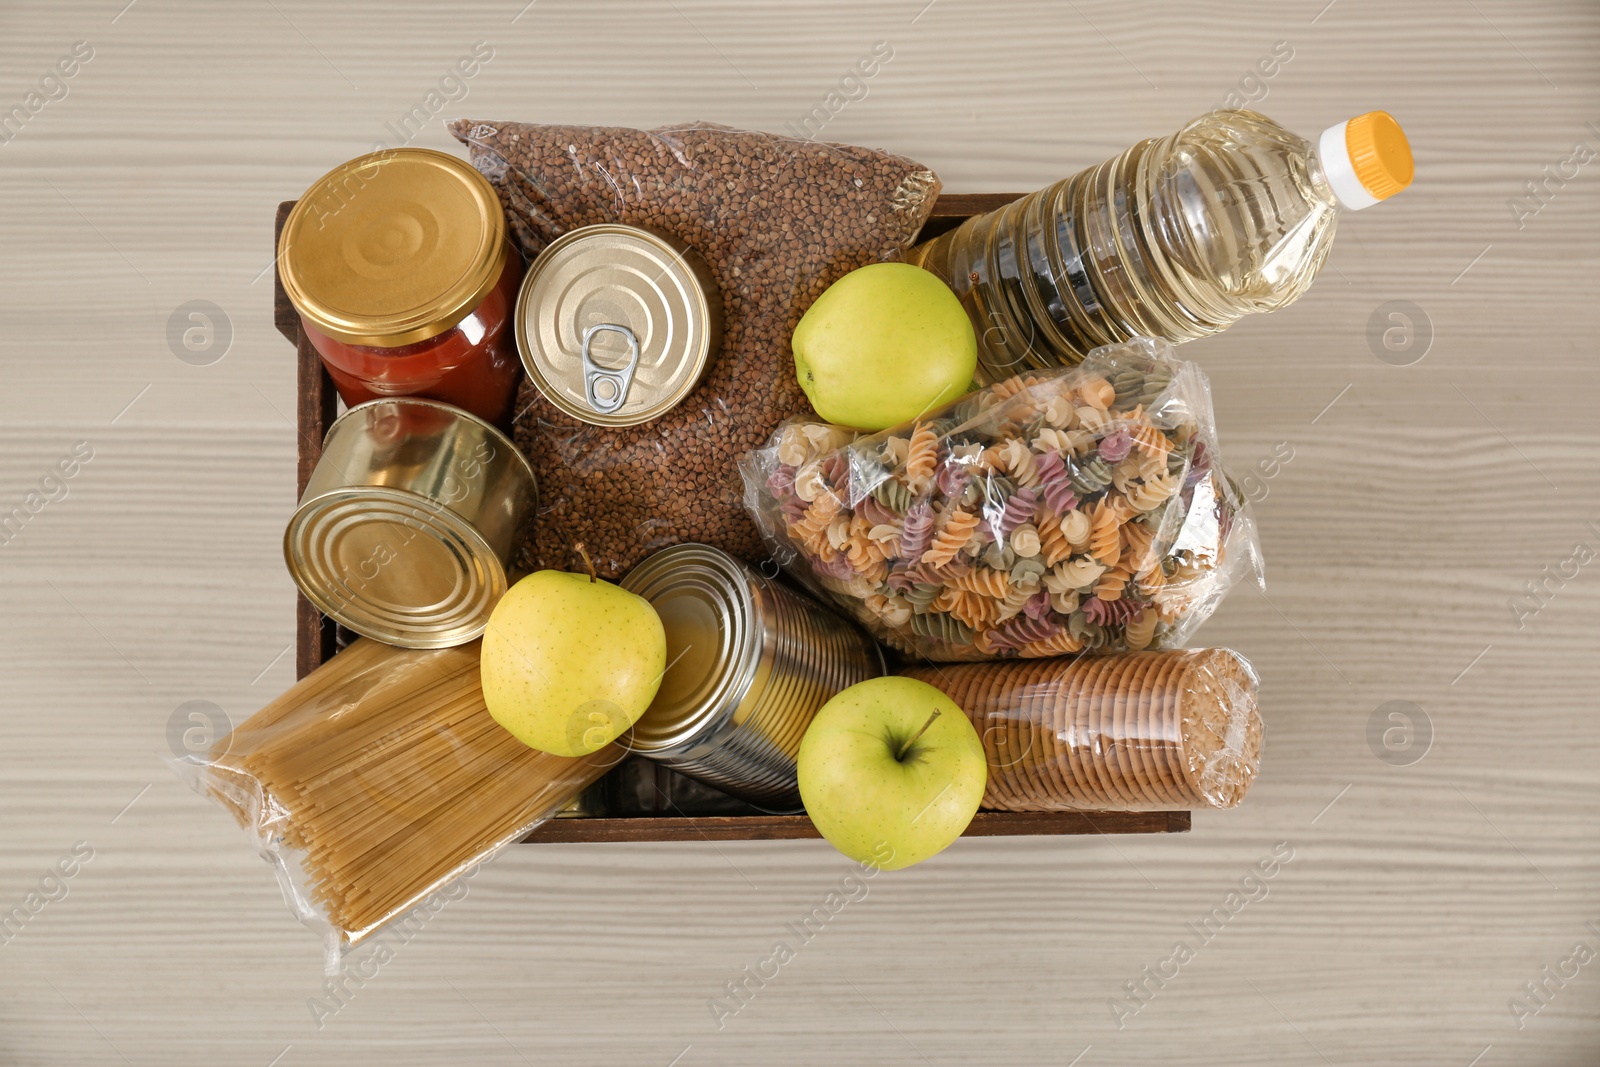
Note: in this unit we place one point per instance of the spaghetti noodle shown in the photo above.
(381, 776)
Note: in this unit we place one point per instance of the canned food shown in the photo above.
(399, 266)
(408, 522)
(616, 324)
(749, 662)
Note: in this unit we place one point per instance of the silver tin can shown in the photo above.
(616, 324)
(749, 662)
(409, 521)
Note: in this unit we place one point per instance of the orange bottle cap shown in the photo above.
(1380, 155)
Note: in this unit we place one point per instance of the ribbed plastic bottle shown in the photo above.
(1178, 237)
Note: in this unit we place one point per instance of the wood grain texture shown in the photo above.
(1420, 501)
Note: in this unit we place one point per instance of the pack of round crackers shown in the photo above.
(1153, 731)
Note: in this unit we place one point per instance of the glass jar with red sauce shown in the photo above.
(405, 282)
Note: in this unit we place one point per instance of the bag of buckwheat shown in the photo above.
(777, 219)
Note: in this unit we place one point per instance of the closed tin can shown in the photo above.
(409, 521)
(616, 323)
(749, 663)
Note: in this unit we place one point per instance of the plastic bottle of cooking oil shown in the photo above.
(1177, 237)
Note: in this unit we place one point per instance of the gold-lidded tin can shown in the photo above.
(616, 323)
(749, 663)
(409, 521)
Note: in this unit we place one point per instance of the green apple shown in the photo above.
(570, 662)
(884, 345)
(891, 766)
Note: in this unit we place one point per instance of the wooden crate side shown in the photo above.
(315, 406)
(798, 827)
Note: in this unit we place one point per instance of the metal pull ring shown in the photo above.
(595, 375)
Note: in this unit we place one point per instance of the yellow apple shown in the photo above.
(570, 662)
(891, 772)
(884, 345)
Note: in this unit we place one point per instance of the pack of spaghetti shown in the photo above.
(379, 779)
(1058, 511)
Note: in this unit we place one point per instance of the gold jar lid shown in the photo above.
(616, 324)
(393, 247)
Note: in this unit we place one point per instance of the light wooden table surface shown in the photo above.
(1420, 499)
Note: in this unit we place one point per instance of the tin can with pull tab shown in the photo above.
(616, 324)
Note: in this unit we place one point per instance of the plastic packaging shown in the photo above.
(1178, 237)
(378, 779)
(777, 220)
(1082, 508)
(1139, 731)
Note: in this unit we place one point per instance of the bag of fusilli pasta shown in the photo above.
(1074, 509)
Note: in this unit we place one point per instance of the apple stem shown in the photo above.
(587, 562)
(901, 755)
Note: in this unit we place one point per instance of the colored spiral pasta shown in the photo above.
(1060, 643)
(1019, 463)
(957, 530)
(922, 455)
(1017, 510)
(1111, 584)
(1045, 515)
(985, 582)
(917, 531)
(1105, 536)
(1053, 544)
(1079, 574)
(893, 495)
(1024, 541)
(1090, 476)
(1056, 483)
(941, 628)
(1152, 493)
(1022, 630)
(1097, 393)
(1140, 631)
(1111, 612)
